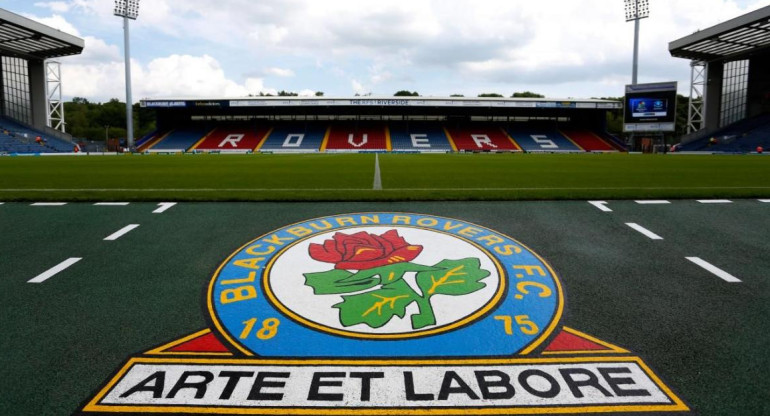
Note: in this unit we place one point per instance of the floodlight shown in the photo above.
(637, 9)
(127, 8)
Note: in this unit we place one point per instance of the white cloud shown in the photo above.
(172, 76)
(279, 72)
(55, 6)
(57, 22)
(570, 47)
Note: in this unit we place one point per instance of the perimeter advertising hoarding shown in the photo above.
(650, 107)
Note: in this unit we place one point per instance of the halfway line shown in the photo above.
(377, 178)
(56, 269)
(727, 277)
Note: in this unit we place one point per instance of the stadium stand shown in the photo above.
(418, 137)
(481, 138)
(179, 140)
(356, 136)
(533, 138)
(588, 140)
(234, 139)
(295, 138)
(151, 139)
(741, 137)
(146, 138)
(16, 138)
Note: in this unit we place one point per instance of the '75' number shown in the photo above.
(525, 324)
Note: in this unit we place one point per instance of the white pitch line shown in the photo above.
(715, 201)
(49, 204)
(651, 235)
(121, 232)
(377, 186)
(653, 202)
(727, 277)
(55, 270)
(545, 189)
(111, 204)
(602, 205)
(164, 206)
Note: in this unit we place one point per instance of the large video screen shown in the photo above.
(650, 107)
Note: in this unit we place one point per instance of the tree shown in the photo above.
(457, 95)
(490, 95)
(406, 93)
(527, 94)
(283, 93)
(95, 121)
(319, 93)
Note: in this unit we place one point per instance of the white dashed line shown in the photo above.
(111, 204)
(653, 202)
(651, 235)
(727, 277)
(766, 201)
(602, 205)
(49, 204)
(715, 201)
(120, 233)
(1, 203)
(164, 206)
(56, 269)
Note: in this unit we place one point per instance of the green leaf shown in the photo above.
(453, 278)
(377, 307)
(334, 282)
(390, 273)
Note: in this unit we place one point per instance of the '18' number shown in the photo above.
(268, 330)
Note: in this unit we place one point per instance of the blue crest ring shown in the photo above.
(528, 293)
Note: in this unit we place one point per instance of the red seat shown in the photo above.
(357, 136)
(589, 141)
(233, 139)
(482, 139)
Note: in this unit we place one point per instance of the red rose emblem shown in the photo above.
(362, 250)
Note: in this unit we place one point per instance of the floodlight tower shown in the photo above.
(128, 9)
(636, 10)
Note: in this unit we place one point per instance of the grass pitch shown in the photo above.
(325, 177)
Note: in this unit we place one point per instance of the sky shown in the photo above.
(233, 48)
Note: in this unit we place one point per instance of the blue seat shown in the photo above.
(546, 139)
(180, 140)
(295, 137)
(418, 137)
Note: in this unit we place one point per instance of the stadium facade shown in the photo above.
(27, 72)
(362, 124)
(730, 92)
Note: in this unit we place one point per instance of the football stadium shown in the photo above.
(278, 254)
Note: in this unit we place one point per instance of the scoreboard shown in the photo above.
(650, 107)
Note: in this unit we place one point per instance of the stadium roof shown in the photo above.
(478, 102)
(744, 35)
(28, 39)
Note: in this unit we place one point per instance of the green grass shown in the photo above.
(404, 177)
